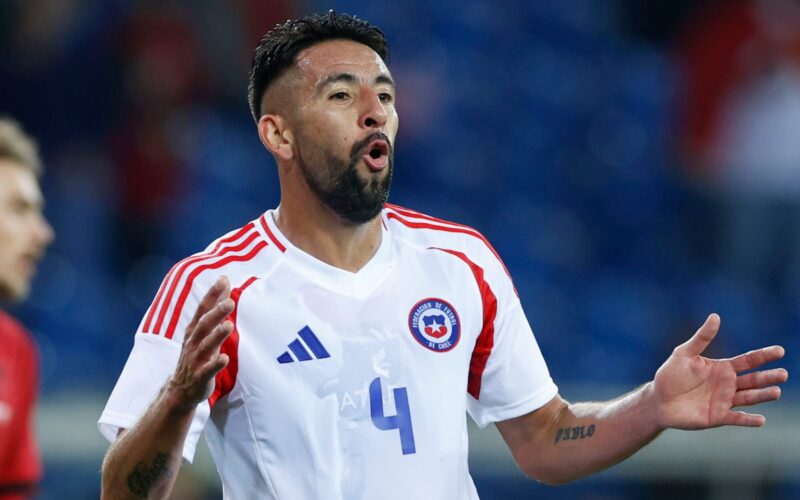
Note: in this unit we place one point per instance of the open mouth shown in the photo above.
(377, 157)
(378, 149)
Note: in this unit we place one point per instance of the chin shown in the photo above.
(14, 293)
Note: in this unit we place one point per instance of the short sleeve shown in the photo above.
(508, 376)
(150, 364)
(515, 379)
(159, 338)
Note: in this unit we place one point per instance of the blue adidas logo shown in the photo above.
(300, 348)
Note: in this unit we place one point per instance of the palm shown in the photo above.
(693, 392)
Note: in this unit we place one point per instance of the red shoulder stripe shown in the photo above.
(485, 342)
(174, 285)
(263, 220)
(419, 215)
(182, 265)
(226, 378)
(435, 224)
(176, 314)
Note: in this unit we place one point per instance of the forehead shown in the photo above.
(18, 182)
(339, 56)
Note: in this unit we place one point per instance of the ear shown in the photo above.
(276, 136)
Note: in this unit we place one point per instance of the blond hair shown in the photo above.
(18, 147)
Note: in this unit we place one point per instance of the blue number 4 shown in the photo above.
(401, 421)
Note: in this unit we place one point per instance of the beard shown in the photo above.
(338, 185)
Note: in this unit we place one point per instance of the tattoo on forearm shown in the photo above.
(573, 433)
(144, 477)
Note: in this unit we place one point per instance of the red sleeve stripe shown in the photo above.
(176, 314)
(263, 220)
(485, 342)
(226, 378)
(439, 225)
(180, 266)
(233, 246)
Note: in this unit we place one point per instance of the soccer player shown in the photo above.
(332, 347)
(24, 236)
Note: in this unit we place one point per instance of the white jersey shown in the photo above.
(346, 385)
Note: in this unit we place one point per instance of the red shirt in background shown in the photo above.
(20, 465)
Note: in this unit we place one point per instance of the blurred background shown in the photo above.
(636, 164)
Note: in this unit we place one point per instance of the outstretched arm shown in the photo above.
(144, 460)
(561, 441)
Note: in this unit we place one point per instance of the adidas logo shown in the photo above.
(300, 348)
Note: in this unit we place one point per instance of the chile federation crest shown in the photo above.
(435, 324)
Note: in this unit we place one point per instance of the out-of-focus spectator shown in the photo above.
(176, 72)
(165, 72)
(24, 235)
(740, 116)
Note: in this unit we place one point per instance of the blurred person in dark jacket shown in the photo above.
(24, 236)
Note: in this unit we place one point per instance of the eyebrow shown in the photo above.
(383, 78)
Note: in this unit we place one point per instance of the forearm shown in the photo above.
(575, 440)
(144, 461)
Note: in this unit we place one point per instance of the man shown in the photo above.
(331, 347)
(24, 236)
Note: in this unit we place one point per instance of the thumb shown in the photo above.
(702, 337)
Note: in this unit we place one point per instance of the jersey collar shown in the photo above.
(362, 281)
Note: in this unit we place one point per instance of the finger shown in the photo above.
(211, 320)
(754, 359)
(221, 289)
(214, 366)
(743, 419)
(702, 337)
(755, 396)
(213, 342)
(761, 379)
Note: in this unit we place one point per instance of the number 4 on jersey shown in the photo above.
(401, 421)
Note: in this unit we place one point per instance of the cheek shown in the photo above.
(7, 255)
(393, 125)
(7, 232)
(329, 130)
(14, 232)
(337, 129)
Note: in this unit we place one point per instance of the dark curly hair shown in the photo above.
(278, 49)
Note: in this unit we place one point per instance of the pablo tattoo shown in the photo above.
(573, 433)
(143, 476)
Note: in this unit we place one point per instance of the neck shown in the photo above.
(321, 233)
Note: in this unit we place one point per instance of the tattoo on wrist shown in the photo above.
(573, 433)
(145, 476)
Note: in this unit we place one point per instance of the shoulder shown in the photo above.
(14, 336)
(248, 251)
(237, 254)
(431, 232)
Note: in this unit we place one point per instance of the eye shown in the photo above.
(385, 97)
(339, 96)
(19, 207)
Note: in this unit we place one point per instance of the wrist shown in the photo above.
(650, 407)
(176, 400)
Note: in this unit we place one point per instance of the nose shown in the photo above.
(44, 231)
(373, 112)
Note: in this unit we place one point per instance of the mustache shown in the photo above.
(358, 147)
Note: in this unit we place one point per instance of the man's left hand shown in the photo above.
(694, 392)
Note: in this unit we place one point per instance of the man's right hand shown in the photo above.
(154, 445)
(200, 359)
